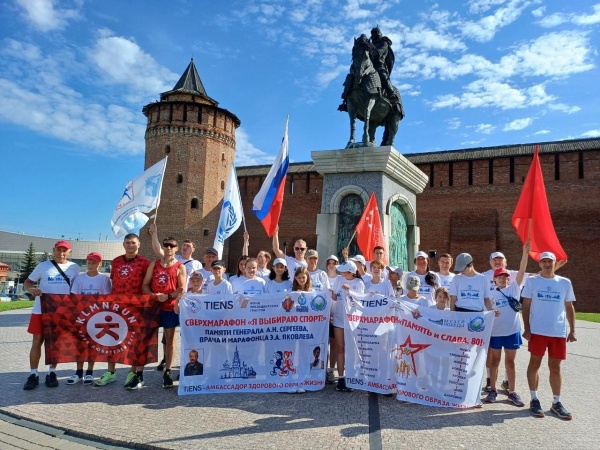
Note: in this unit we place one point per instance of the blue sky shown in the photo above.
(75, 75)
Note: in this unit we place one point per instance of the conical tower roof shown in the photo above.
(190, 83)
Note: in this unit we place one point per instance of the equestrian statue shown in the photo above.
(368, 93)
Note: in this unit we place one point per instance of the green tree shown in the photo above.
(45, 257)
(29, 264)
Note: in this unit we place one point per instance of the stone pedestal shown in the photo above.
(382, 170)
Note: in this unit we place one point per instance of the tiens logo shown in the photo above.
(107, 328)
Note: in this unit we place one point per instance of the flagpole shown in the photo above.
(240, 197)
(160, 189)
(351, 237)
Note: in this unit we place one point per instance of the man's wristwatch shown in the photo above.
(169, 296)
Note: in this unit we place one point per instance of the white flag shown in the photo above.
(231, 212)
(141, 196)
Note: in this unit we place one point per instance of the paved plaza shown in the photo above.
(84, 417)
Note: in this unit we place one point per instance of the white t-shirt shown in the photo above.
(84, 284)
(446, 280)
(251, 287)
(420, 300)
(293, 264)
(384, 287)
(319, 280)
(470, 292)
(509, 321)
(191, 265)
(547, 315)
(489, 276)
(273, 286)
(425, 290)
(224, 287)
(51, 281)
(338, 308)
(263, 273)
(236, 280)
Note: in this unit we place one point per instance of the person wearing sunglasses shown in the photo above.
(165, 279)
(293, 262)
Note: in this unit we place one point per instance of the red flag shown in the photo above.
(532, 219)
(368, 229)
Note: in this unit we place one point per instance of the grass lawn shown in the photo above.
(7, 306)
(590, 317)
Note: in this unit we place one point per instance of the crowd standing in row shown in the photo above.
(546, 300)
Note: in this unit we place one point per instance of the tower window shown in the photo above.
(194, 203)
(205, 232)
(222, 185)
(223, 156)
(167, 149)
(179, 178)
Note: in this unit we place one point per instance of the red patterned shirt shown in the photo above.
(164, 281)
(127, 275)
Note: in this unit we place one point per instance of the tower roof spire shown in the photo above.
(190, 83)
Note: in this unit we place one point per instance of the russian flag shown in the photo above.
(268, 202)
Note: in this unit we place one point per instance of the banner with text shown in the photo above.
(369, 338)
(102, 328)
(264, 343)
(440, 355)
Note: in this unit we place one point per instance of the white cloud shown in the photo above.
(121, 61)
(485, 93)
(564, 108)
(556, 19)
(479, 6)
(485, 28)
(539, 12)
(247, 154)
(542, 132)
(453, 123)
(485, 128)
(518, 124)
(45, 16)
(471, 143)
(591, 133)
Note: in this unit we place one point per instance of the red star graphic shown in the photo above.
(408, 348)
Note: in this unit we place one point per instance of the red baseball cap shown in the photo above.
(501, 271)
(64, 244)
(94, 257)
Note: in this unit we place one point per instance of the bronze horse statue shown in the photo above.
(366, 100)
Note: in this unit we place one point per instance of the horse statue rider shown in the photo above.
(368, 93)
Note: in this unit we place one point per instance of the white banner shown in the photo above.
(369, 338)
(440, 355)
(140, 196)
(264, 343)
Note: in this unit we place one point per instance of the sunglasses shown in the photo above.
(299, 249)
(168, 245)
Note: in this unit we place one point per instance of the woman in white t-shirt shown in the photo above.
(332, 274)
(252, 284)
(279, 278)
(430, 280)
(349, 279)
(240, 274)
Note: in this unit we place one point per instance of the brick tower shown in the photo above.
(199, 138)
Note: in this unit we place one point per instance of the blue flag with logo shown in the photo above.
(231, 212)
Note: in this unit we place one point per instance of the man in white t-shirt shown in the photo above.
(547, 308)
(298, 260)
(263, 258)
(445, 263)
(318, 278)
(468, 290)
(51, 281)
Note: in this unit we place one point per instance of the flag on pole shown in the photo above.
(369, 231)
(231, 212)
(531, 219)
(140, 197)
(269, 200)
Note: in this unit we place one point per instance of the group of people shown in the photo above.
(537, 307)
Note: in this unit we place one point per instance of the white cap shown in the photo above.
(360, 258)
(348, 266)
(421, 253)
(335, 258)
(497, 255)
(548, 255)
(280, 261)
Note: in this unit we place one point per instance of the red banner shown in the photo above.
(101, 328)
(369, 230)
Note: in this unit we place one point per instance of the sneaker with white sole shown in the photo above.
(88, 379)
(559, 410)
(106, 378)
(130, 376)
(330, 378)
(516, 399)
(73, 379)
(133, 383)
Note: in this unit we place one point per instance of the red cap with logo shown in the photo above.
(64, 244)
